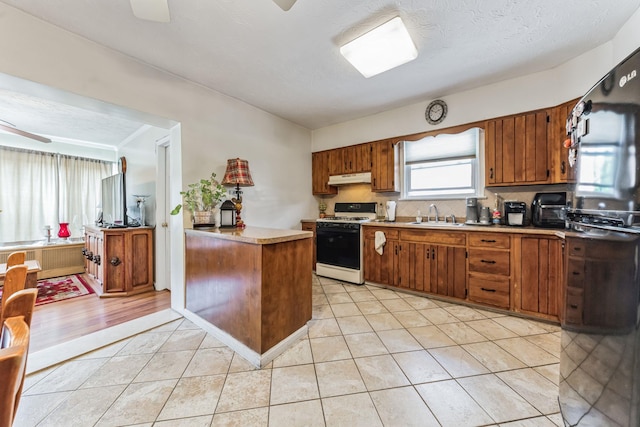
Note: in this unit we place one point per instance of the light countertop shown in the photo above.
(467, 227)
(253, 235)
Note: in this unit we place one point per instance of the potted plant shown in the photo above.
(201, 198)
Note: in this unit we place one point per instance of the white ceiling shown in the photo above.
(288, 63)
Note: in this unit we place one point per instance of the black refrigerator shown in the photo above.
(600, 350)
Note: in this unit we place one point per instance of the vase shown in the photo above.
(202, 217)
(64, 232)
(217, 217)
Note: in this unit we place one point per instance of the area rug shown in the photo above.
(61, 288)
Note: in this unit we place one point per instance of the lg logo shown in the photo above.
(625, 79)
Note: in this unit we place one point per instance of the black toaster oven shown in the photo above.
(549, 210)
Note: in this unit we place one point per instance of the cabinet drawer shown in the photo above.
(309, 226)
(576, 248)
(489, 290)
(389, 233)
(488, 261)
(574, 307)
(575, 273)
(490, 240)
(435, 237)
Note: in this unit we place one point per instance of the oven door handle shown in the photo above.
(332, 231)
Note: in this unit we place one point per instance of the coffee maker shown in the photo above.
(472, 210)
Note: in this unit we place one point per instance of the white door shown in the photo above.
(163, 247)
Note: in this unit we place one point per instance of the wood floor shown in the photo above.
(65, 320)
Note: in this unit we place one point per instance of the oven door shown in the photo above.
(338, 244)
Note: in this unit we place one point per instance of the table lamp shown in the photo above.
(238, 174)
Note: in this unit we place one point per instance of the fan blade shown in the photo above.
(24, 133)
(151, 10)
(284, 4)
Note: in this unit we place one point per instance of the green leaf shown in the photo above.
(176, 210)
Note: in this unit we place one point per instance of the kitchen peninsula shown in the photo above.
(250, 288)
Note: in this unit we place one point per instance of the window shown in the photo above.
(443, 166)
(41, 189)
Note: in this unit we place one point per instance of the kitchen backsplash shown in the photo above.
(446, 207)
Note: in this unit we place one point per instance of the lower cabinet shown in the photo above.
(540, 276)
(381, 268)
(311, 226)
(510, 271)
(120, 259)
(490, 269)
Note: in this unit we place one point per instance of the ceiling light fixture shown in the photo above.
(26, 134)
(381, 49)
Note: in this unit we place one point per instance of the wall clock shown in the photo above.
(436, 112)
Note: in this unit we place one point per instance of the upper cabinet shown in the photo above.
(320, 173)
(516, 149)
(384, 166)
(561, 172)
(351, 159)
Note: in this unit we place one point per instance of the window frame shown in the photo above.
(477, 178)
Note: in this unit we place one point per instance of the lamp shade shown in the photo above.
(237, 173)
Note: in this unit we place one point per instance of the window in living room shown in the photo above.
(38, 189)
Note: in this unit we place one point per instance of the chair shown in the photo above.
(13, 362)
(14, 281)
(16, 258)
(21, 303)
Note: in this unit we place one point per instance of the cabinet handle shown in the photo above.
(491, 173)
(487, 240)
(576, 273)
(563, 168)
(486, 261)
(115, 261)
(428, 253)
(575, 307)
(488, 290)
(89, 255)
(96, 259)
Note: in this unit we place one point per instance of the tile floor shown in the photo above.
(373, 357)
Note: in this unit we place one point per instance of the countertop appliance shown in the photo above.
(339, 241)
(391, 210)
(472, 210)
(549, 210)
(600, 343)
(515, 213)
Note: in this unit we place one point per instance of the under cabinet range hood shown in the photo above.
(350, 178)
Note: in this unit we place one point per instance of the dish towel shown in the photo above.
(380, 240)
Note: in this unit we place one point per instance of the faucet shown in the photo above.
(453, 218)
(432, 206)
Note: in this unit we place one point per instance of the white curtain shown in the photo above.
(38, 189)
(80, 187)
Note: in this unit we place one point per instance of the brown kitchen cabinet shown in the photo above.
(320, 174)
(600, 293)
(433, 262)
(384, 166)
(311, 226)
(490, 268)
(120, 259)
(516, 150)
(539, 279)
(383, 268)
(561, 172)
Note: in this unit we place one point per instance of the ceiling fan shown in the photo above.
(158, 10)
(15, 130)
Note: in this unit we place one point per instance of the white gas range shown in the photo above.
(339, 241)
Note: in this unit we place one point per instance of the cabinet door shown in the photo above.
(516, 149)
(541, 275)
(561, 172)
(414, 262)
(114, 262)
(363, 158)
(320, 173)
(448, 271)
(311, 226)
(381, 268)
(383, 170)
(336, 161)
(139, 259)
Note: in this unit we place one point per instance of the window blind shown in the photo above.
(443, 146)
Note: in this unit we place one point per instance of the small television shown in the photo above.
(114, 207)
